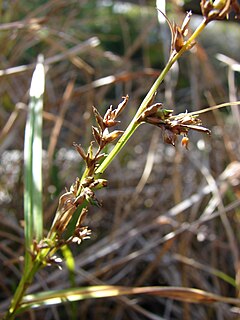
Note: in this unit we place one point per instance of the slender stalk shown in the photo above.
(21, 289)
(134, 123)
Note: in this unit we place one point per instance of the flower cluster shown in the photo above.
(102, 135)
(80, 234)
(219, 9)
(81, 193)
(172, 125)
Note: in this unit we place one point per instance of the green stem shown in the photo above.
(21, 289)
(134, 123)
(26, 280)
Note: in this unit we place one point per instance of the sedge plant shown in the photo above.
(68, 223)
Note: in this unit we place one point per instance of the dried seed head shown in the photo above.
(172, 125)
(219, 9)
(101, 135)
(183, 122)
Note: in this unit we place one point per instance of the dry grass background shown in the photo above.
(169, 216)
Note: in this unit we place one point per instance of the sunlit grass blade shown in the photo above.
(70, 263)
(33, 160)
(76, 294)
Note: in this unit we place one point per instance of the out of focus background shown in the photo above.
(169, 216)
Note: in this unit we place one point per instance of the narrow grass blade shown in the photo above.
(33, 160)
(177, 293)
(70, 263)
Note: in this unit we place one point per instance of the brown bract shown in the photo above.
(179, 33)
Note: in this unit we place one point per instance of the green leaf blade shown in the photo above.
(33, 216)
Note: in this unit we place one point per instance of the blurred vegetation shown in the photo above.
(169, 216)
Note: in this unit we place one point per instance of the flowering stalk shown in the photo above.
(147, 100)
(211, 10)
